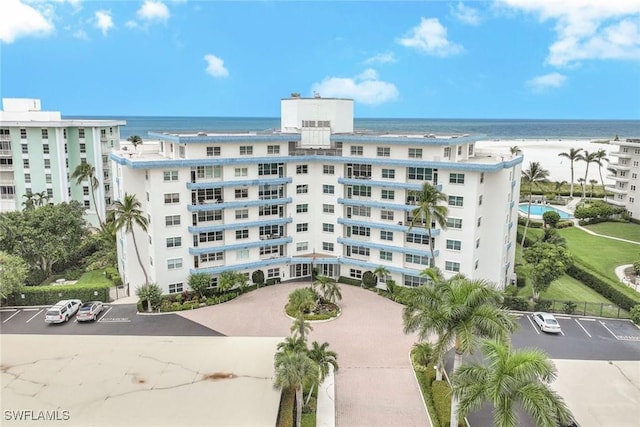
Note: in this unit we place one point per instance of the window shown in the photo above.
(25, 163)
(176, 288)
(83, 147)
(25, 149)
(302, 227)
(361, 190)
(420, 174)
(273, 149)
(302, 189)
(459, 150)
(302, 246)
(388, 194)
(170, 175)
(452, 266)
(50, 194)
(170, 220)
(414, 281)
(456, 178)
(242, 254)
(356, 274)
(174, 263)
(421, 239)
(385, 214)
(171, 198)
(456, 200)
(242, 213)
(45, 148)
(23, 133)
(389, 173)
(267, 169)
(268, 210)
(479, 221)
(384, 151)
(327, 247)
(361, 211)
(416, 259)
(214, 256)
(205, 216)
(633, 188)
(203, 172)
(327, 208)
(302, 169)
(246, 150)
(211, 236)
(85, 188)
(480, 200)
(328, 169)
(454, 222)
(242, 234)
(328, 189)
(386, 256)
(470, 150)
(415, 153)
(45, 134)
(47, 179)
(273, 272)
(87, 204)
(303, 208)
(47, 163)
(386, 235)
(358, 230)
(241, 171)
(356, 150)
(267, 250)
(359, 250)
(477, 243)
(327, 228)
(241, 193)
(81, 133)
(27, 177)
(174, 242)
(481, 177)
(213, 151)
(447, 152)
(454, 245)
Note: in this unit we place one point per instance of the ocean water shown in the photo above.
(490, 128)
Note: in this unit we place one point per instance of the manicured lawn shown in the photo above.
(566, 288)
(623, 230)
(96, 277)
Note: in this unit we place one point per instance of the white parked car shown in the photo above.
(546, 322)
(62, 311)
(89, 311)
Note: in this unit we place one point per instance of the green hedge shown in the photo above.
(50, 294)
(349, 281)
(522, 220)
(441, 394)
(174, 302)
(600, 286)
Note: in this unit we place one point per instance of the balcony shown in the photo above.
(618, 178)
(616, 189)
(270, 236)
(620, 166)
(4, 137)
(316, 152)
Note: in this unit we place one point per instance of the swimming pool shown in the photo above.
(538, 210)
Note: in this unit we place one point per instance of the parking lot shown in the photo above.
(116, 319)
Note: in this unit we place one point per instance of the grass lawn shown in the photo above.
(95, 277)
(566, 288)
(623, 230)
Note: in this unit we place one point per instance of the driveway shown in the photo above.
(375, 385)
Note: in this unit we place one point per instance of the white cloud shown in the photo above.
(21, 20)
(546, 81)
(215, 66)
(588, 29)
(153, 11)
(381, 58)
(430, 37)
(103, 21)
(466, 14)
(80, 35)
(365, 88)
(131, 24)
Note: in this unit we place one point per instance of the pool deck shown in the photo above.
(567, 209)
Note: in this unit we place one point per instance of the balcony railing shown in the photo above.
(316, 152)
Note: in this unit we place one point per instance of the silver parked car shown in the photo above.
(89, 311)
(546, 322)
(62, 311)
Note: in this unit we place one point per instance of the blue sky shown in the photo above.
(568, 59)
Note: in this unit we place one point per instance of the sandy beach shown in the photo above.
(546, 152)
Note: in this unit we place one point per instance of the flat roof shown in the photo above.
(61, 123)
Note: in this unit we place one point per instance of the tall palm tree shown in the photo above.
(515, 150)
(292, 369)
(600, 159)
(291, 344)
(588, 158)
(30, 201)
(459, 311)
(135, 140)
(301, 327)
(323, 358)
(429, 210)
(329, 289)
(511, 379)
(572, 155)
(533, 176)
(87, 172)
(381, 273)
(592, 182)
(128, 214)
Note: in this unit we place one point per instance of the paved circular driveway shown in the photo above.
(375, 385)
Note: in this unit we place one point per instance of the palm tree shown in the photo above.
(41, 198)
(515, 150)
(329, 289)
(459, 311)
(128, 214)
(381, 273)
(533, 176)
(592, 182)
(422, 353)
(86, 172)
(30, 202)
(301, 327)
(588, 158)
(600, 157)
(572, 155)
(151, 293)
(291, 344)
(582, 185)
(135, 140)
(429, 210)
(324, 359)
(292, 369)
(511, 379)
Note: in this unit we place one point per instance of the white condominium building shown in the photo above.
(626, 190)
(39, 152)
(315, 194)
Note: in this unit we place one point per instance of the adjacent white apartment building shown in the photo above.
(315, 194)
(39, 152)
(626, 190)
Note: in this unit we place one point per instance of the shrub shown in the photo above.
(430, 374)
(636, 267)
(551, 218)
(257, 277)
(441, 394)
(369, 279)
(50, 294)
(635, 314)
(198, 282)
(600, 286)
(542, 305)
(522, 220)
(569, 307)
(349, 281)
(516, 303)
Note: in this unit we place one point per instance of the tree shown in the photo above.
(369, 280)
(329, 289)
(323, 359)
(551, 218)
(588, 158)
(41, 198)
(548, 262)
(86, 172)
(552, 236)
(422, 353)
(515, 150)
(198, 282)
(459, 311)
(292, 370)
(382, 273)
(291, 344)
(592, 182)
(135, 140)
(511, 379)
(226, 281)
(533, 176)
(301, 328)
(573, 154)
(430, 210)
(30, 201)
(257, 277)
(151, 293)
(128, 214)
(600, 157)
(13, 272)
(302, 300)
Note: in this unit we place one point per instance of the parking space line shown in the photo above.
(563, 317)
(30, 309)
(104, 313)
(8, 310)
(605, 326)
(9, 318)
(32, 317)
(587, 319)
(585, 331)
(535, 328)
